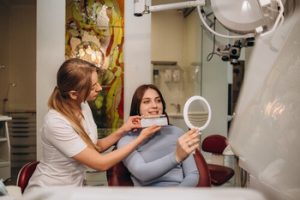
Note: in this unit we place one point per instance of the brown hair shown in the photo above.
(138, 96)
(74, 74)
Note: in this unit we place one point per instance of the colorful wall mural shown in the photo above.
(95, 32)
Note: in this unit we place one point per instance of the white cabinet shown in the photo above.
(5, 171)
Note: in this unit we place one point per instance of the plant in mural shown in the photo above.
(95, 32)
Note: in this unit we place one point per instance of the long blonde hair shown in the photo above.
(74, 74)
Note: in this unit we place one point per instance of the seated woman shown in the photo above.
(155, 162)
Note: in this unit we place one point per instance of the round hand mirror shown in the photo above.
(197, 113)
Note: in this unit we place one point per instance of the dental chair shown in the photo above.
(25, 173)
(118, 175)
(219, 174)
(204, 178)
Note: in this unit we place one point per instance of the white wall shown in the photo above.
(137, 54)
(22, 54)
(4, 54)
(50, 53)
(167, 44)
(215, 86)
(180, 39)
(167, 36)
(17, 54)
(177, 38)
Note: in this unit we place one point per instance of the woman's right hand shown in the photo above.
(149, 131)
(132, 123)
(186, 144)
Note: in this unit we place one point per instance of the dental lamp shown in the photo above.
(247, 18)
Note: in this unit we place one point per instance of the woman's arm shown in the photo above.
(91, 158)
(190, 171)
(133, 122)
(147, 171)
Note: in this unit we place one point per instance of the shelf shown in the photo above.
(4, 163)
(163, 65)
(4, 118)
(3, 139)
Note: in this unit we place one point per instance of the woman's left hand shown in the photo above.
(186, 144)
(132, 123)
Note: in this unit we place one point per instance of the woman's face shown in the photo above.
(96, 87)
(151, 103)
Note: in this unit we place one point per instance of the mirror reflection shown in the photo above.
(198, 113)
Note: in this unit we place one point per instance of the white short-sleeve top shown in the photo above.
(60, 143)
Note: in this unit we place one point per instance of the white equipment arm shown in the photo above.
(141, 8)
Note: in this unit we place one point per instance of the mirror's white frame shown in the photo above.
(186, 109)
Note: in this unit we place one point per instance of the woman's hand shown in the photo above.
(187, 144)
(132, 123)
(149, 131)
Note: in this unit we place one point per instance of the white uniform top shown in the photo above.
(60, 143)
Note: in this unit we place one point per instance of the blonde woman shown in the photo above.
(69, 133)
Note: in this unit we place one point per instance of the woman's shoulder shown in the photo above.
(55, 118)
(53, 114)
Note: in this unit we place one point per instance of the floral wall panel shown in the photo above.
(95, 32)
